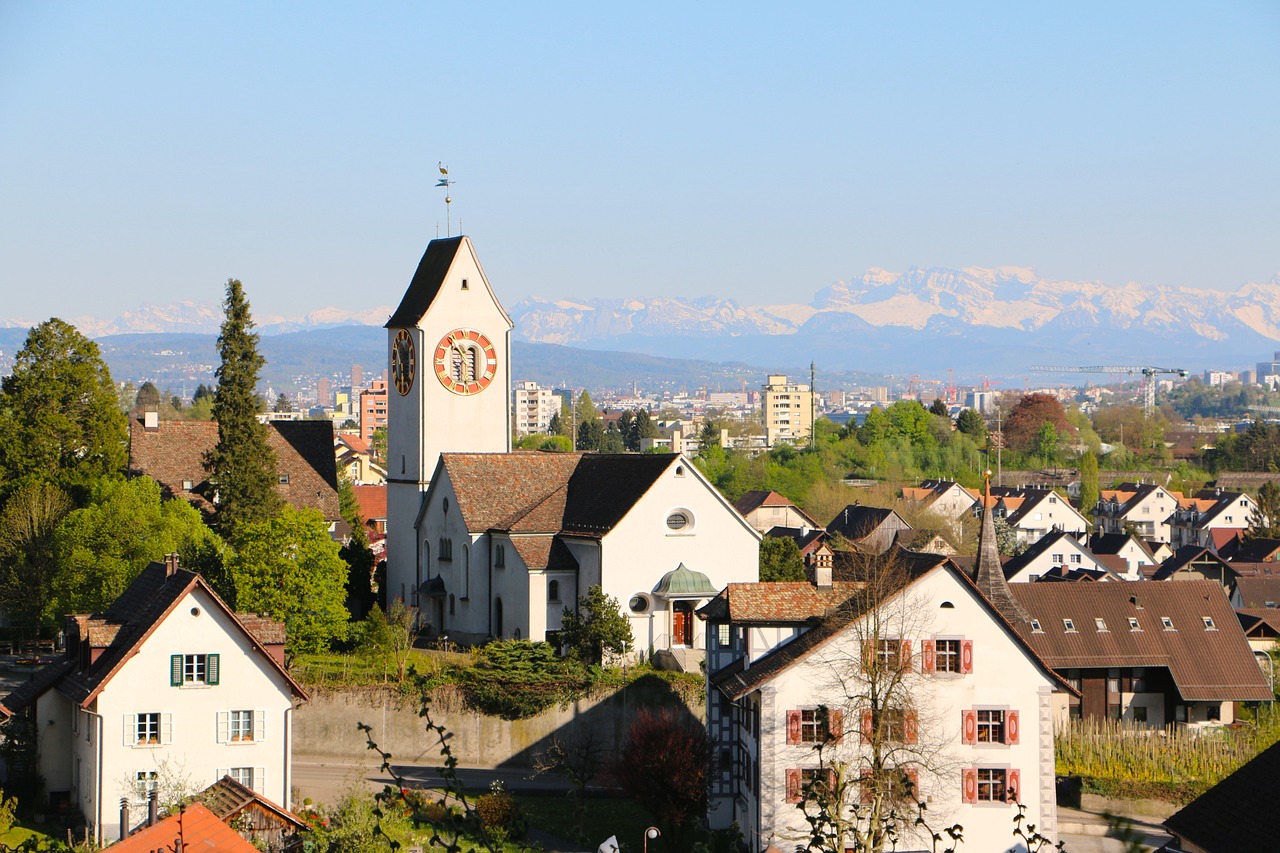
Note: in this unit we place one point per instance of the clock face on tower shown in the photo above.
(404, 364)
(465, 361)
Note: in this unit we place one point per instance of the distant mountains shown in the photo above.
(980, 322)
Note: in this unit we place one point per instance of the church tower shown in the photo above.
(449, 350)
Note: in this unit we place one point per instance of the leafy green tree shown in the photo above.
(148, 399)
(874, 427)
(1047, 442)
(387, 638)
(102, 547)
(971, 424)
(596, 627)
(780, 560)
(60, 419)
(242, 464)
(28, 563)
(379, 442)
(585, 410)
(1089, 492)
(287, 567)
(1264, 522)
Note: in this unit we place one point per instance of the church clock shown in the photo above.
(465, 361)
(403, 361)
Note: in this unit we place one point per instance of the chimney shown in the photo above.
(151, 421)
(822, 575)
(153, 808)
(1136, 602)
(124, 817)
(170, 565)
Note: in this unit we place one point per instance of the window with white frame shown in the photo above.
(147, 729)
(241, 726)
(150, 728)
(194, 670)
(144, 783)
(990, 726)
(243, 775)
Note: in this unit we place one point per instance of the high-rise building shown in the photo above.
(373, 409)
(323, 396)
(788, 411)
(357, 376)
(533, 407)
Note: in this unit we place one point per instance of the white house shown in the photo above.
(789, 672)
(507, 541)
(1058, 553)
(1145, 507)
(165, 689)
(1032, 513)
(1209, 518)
(946, 499)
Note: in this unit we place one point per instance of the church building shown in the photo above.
(449, 348)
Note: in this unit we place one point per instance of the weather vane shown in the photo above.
(446, 183)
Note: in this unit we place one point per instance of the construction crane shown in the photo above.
(1149, 375)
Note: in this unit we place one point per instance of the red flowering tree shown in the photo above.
(663, 766)
(1028, 417)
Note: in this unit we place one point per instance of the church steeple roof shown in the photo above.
(988, 571)
(427, 281)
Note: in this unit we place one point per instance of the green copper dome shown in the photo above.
(683, 582)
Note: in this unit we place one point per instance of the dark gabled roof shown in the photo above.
(1237, 815)
(1017, 563)
(1206, 664)
(1259, 622)
(1256, 550)
(226, 798)
(604, 488)
(1255, 592)
(856, 522)
(803, 538)
(426, 283)
(124, 626)
(1112, 543)
(1184, 557)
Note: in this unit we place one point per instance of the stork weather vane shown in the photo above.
(446, 183)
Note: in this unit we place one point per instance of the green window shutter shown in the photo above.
(211, 669)
(175, 670)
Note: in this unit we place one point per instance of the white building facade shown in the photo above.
(533, 408)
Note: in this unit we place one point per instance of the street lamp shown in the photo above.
(651, 832)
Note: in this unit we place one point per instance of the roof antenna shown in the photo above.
(446, 183)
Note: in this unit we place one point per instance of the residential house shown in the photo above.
(1256, 592)
(1150, 653)
(1210, 518)
(1055, 553)
(1128, 547)
(507, 541)
(256, 818)
(1033, 513)
(870, 529)
(172, 453)
(193, 827)
(357, 461)
(1142, 508)
(814, 548)
(1193, 563)
(167, 682)
(1258, 550)
(970, 728)
(765, 510)
(947, 500)
(372, 501)
(1237, 815)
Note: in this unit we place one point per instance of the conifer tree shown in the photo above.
(242, 465)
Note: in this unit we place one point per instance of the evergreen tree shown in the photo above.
(148, 399)
(1264, 522)
(625, 422)
(242, 464)
(611, 441)
(597, 627)
(60, 418)
(283, 404)
(641, 428)
(939, 407)
(590, 434)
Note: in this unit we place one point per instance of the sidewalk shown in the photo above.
(1094, 825)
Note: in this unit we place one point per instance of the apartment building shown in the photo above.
(788, 411)
(373, 409)
(532, 407)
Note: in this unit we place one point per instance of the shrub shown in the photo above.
(500, 815)
(514, 679)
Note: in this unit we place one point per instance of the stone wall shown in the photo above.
(325, 727)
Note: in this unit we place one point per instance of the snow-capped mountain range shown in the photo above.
(921, 319)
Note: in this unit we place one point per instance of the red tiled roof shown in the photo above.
(197, 827)
(372, 501)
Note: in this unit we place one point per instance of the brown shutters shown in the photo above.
(928, 656)
(795, 787)
(793, 727)
(868, 726)
(966, 656)
(969, 728)
(1013, 786)
(835, 724)
(969, 785)
(1011, 727)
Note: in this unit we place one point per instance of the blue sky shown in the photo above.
(148, 151)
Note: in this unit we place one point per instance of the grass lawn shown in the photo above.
(17, 835)
(605, 816)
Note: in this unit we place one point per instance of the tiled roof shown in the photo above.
(197, 826)
(783, 602)
(1237, 815)
(135, 614)
(1257, 591)
(265, 630)
(491, 487)
(226, 798)
(1017, 563)
(174, 453)
(543, 552)
(856, 522)
(372, 501)
(1112, 543)
(1258, 550)
(756, 498)
(1206, 665)
(426, 282)
(1259, 622)
(1185, 556)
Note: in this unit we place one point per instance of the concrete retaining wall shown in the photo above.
(325, 727)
